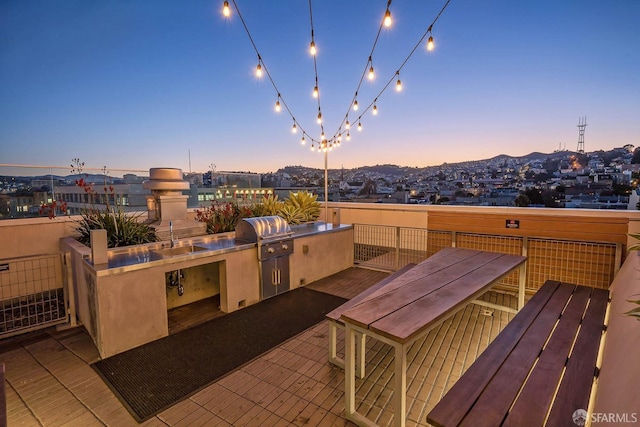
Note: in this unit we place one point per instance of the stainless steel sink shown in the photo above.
(179, 250)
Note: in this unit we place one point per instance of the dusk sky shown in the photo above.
(135, 84)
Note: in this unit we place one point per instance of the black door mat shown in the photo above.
(155, 376)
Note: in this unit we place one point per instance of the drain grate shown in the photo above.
(33, 310)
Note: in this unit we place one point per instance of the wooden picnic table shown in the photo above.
(408, 307)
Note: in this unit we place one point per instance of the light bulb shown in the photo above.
(430, 44)
(348, 136)
(398, 86)
(312, 48)
(375, 109)
(313, 147)
(320, 118)
(322, 137)
(225, 9)
(347, 125)
(303, 141)
(294, 129)
(359, 126)
(278, 108)
(371, 74)
(259, 71)
(355, 105)
(387, 18)
(315, 91)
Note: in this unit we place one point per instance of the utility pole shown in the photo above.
(582, 123)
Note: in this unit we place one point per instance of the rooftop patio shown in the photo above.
(49, 380)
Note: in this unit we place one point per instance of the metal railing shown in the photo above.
(587, 263)
(32, 295)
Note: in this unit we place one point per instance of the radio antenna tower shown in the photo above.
(582, 123)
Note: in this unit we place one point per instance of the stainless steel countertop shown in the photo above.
(139, 257)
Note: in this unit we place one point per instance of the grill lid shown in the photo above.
(262, 228)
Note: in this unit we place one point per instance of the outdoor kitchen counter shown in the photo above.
(316, 228)
(123, 303)
(145, 256)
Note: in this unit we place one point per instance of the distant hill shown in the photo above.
(395, 170)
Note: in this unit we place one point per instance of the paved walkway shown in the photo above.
(49, 381)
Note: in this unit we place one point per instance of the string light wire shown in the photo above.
(338, 134)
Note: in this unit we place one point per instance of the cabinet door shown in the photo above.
(269, 278)
(282, 264)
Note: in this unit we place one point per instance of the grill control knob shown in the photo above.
(285, 246)
(270, 250)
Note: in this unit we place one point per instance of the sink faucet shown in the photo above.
(173, 241)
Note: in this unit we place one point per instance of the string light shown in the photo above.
(303, 141)
(336, 139)
(387, 18)
(430, 44)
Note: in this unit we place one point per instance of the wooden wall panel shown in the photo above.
(586, 228)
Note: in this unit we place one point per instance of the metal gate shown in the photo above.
(32, 294)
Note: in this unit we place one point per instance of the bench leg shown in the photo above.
(400, 390)
(333, 354)
(360, 349)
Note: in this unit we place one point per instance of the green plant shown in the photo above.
(223, 217)
(292, 214)
(306, 203)
(271, 205)
(122, 229)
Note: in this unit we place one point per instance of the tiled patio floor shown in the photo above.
(49, 381)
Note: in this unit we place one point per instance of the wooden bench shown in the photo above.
(539, 370)
(335, 322)
(408, 307)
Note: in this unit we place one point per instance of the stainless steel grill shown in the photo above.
(275, 243)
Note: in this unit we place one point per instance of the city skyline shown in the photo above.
(159, 84)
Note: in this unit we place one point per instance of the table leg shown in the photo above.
(349, 372)
(400, 390)
(360, 354)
